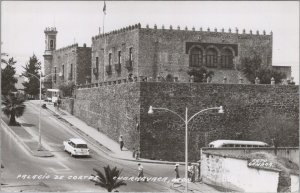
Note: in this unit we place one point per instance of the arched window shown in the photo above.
(51, 44)
(196, 57)
(227, 58)
(211, 57)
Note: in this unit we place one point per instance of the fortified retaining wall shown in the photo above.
(122, 109)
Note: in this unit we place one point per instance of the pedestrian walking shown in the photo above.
(177, 171)
(140, 171)
(190, 171)
(137, 154)
(121, 142)
(133, 153)
(58, 102)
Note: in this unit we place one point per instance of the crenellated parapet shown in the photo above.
(118, 31)
(50, 29)
(215, 30)
(67, 48)
(229, 32)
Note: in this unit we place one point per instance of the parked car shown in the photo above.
(76, 147)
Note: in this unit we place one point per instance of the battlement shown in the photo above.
(193, 29)
(67, 47)
(122, 30)
(50, 29)
(215, 30)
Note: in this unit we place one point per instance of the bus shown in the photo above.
(52, 95)
(236, 143)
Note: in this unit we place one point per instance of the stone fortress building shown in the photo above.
(117, 105)
(156, 53)
(71, 64)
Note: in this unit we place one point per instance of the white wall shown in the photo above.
(294, 183)
(234, 174)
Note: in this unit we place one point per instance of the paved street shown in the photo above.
(18, 161)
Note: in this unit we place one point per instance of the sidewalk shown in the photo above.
(29, 142)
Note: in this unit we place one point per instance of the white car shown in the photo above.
(76, 147)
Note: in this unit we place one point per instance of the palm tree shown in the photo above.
(13, 107)
(108, 180)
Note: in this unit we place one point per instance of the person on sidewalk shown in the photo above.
(140, 171)
(190, 171)
(137, 154)
(133, 153)
(121, 142)
(177, 171)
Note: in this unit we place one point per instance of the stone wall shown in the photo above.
(118, 109)
(62, 59)
(165, 51)
(79, 58)
(114, 109)
(244, 105)
(112, 44)
(67, 104)
(83, 66)
(159, 52)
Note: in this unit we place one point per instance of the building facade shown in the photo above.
(67, 65)
(152, 53)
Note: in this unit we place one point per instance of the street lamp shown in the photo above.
(40, 80)
(186, 120)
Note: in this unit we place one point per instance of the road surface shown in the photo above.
(63, 170)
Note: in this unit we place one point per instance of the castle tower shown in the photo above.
(50, 46)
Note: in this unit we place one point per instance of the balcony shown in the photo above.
(108, 69)
(128, 65)
(95, 71)
(70, 77)
(118, 67)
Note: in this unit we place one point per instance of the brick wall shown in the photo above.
(113, 109)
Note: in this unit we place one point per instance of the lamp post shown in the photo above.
(186, 120)
(40, 131)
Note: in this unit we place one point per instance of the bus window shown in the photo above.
(237, 146)
(243, 145)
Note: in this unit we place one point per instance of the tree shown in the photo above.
(266, 74)
(251, 67)
(8, 80)
(199, 74)
(32, 87)
(13, 107)
(67, 89)
(276, 129)
(108, 180)
(3, 61)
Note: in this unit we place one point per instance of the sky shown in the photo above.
(23, 22)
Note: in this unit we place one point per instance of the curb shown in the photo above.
(34, 153)
(64, 121)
